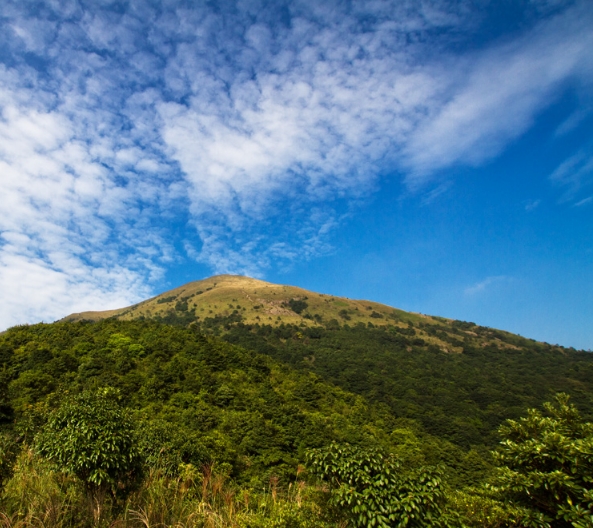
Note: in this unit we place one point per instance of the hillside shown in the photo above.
(458, 379)
(200, 400)
(223, 301)
(255, 301)
(230, 385)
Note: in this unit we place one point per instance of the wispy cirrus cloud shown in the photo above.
(575, 176)
(493, 96)
(485, 285)
(253, 128)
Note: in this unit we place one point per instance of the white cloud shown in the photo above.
(497, 94)
(69, 235)
(350, 104)
(575, 176)
(34, 289)
(487, 284)
(255, 130)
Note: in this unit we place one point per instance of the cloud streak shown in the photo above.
(485, 285)
(495, 97)
(575, 176)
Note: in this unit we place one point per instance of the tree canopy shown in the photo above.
(546, 463)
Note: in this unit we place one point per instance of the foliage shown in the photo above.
(9, 450)
(91, 437)
(485, 508)
(547, 464)
(297, 305)
(462, 397)
(222, 426)
(372, 488)
(195, 399)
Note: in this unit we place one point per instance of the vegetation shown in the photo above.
(547, 464)
(91, 437)
(334, 413)
(371, 488)
(460, 380)
(462, 397)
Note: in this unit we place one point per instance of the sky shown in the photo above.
(433, 155)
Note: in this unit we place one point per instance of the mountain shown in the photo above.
(242, 378)
(256, 301)
(226, 300)
(459, 380)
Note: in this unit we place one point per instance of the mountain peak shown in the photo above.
(218, 303)
(255, 301)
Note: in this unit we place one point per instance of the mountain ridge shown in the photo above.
(221, 288)
(221, 301)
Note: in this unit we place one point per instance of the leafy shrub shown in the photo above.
(166, 299)
(297, 305)
(370, 488)
(547, 464)
(91, 437)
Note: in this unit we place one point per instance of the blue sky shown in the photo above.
(433, 155)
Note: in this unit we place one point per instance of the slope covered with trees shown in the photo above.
(193, 402)
(460, 380)
(326, 412)
(463, 397)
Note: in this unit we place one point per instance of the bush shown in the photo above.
(370, 488)
(547, 464)
(91, 437)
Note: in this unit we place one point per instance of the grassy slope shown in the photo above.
(260, 302)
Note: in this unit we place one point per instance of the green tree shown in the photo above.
(297, 305)
(92, 437)
(370, 488)
(547, 465)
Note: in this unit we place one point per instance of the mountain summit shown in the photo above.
(255, 301)
(224, 301)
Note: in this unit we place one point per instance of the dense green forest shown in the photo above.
(463, 397)
(143, 423)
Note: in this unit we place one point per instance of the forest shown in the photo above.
(220, 423)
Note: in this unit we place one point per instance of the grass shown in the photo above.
(256, 301)
(37, 496)
(260, 302)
